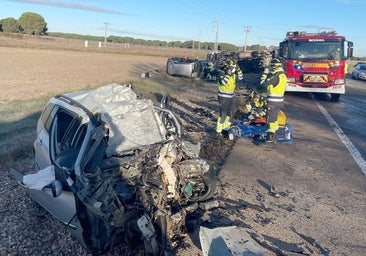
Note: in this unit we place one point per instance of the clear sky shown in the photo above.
(199, 20)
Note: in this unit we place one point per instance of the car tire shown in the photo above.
(169, 67)
(335, 97)
(210, 180)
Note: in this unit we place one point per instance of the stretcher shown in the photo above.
(257, 130)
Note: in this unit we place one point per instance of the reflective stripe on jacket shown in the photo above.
(227, 86)
(276, 86)
(227, 83)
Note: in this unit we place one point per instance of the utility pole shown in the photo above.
(105, 33)
(247, 30)
(217, 35)
(199, 40)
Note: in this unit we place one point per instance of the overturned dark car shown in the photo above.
(115, 169)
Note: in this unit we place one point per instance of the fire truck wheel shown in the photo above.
(335, 97)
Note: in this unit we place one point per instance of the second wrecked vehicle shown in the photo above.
(186, 67)
(115, 168)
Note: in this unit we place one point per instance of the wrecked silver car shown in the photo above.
(193, 68)
(115, 168)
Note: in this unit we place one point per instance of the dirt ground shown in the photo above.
(28, 74)
(247, 198)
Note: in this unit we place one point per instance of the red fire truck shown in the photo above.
(316, 62)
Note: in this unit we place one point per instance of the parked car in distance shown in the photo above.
(114, 168)
(359, 71)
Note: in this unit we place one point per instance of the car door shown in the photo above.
(41, 143)
(356, 71)
(63, 132)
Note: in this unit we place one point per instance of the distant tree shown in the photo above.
(128, 39)
(113, 39)
(32, 23)
(9, 25)
(157, 43)
(207, 46)
(228, 47)
(187, 44)
(140, 41)
(177, 44)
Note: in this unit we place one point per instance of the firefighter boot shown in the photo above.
(271, 137)
(227, 123)
(219, 125)
(271, 131)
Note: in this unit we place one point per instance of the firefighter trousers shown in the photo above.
(273, 110)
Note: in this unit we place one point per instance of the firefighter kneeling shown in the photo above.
(256, 107)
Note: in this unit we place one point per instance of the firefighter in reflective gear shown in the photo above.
(256, 106)
(275, 81)
(226, 88)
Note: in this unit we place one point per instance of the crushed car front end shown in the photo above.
(132, 176)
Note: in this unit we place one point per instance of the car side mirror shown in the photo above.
(56, 187)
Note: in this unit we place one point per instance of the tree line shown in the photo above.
(34, 24)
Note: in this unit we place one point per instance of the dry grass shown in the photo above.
(17, 129)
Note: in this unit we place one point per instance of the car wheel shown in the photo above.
(335, 97)
(169, 67)
(209, 181)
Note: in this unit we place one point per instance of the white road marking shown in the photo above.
(349, 145)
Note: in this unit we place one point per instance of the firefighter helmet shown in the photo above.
(275, 64)
(254, 94)
(230, 63)
(230, 67)
(256, 97)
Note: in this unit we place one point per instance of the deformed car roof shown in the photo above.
(132, 121)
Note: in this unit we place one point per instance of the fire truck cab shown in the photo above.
(316, 62)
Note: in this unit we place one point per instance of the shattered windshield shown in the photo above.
(322, 50)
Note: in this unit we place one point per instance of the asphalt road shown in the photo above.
(350, 114)
(319, 203)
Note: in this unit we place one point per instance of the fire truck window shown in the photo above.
(335, 54)
(299, 53)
